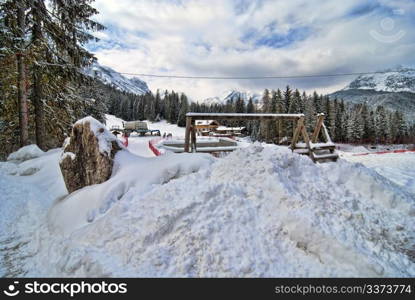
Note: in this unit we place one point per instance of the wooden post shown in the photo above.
(296, 135)
(307, 142)
(317, 129)
(187, 135)
(193, 135)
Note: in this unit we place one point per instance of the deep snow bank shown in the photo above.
(130, 171)
(28, 190)
(257, 212)
(26, 153)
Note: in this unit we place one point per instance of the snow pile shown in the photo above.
(261, 211)
(24, 204)
(130, 172)
(26, 153)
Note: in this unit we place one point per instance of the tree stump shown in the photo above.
(88, 157)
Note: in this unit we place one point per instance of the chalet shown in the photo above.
(205, 127)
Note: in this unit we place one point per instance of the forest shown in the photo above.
(44, 90)
(347, 123)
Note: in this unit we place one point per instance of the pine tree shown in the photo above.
(250, 109)
(264, 129)
(14, 35)
(287, 99)
(381, 124)
(288, 126)
(317, 103)
(240, 108)
(184, 108)
(310, 114)
(330, 115)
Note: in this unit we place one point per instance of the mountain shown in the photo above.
(111, 77)
(233, 95)
(392, 88)
(400, 79)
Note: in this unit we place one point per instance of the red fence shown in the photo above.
(125, 143)
(384, 152)
(153, 148)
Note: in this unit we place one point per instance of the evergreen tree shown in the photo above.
(184, 108)
(287, 99)
(317, 103)
(264, 128)
(381, 124)
(250, 109)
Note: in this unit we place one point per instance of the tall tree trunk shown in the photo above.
(39, 109)
(37, 84)
(21, 80)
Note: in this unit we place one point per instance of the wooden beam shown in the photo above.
(236, 116)
(307, 142)
(296, 135)
(187, 135)
(317, 129)
(326, 134)
(193, 136)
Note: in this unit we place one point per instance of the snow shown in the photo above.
(261, 211)
(24, 204)
(26, 153)
(130, 172)
(397, 167)
(138, 145)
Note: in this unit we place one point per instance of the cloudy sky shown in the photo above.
(254, 38)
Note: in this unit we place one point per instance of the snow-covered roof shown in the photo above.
(224, 128)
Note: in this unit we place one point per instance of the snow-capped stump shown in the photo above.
(88, 155)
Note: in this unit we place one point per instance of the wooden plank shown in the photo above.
(307, 142)
(317, 129)
(193, 136)
(296, 135)
(225, 116)
(187, 135)
(326, 134)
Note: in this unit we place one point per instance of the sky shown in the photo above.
(253, 38)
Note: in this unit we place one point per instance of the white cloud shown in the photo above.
(205, 38)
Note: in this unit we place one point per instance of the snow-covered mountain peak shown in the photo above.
(400, 79)
(233, 94)
(111, 77)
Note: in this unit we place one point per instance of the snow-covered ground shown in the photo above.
(139, 144)
(259, 211)
(397, 167)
